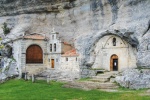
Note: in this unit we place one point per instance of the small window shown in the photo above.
(114, 41)
(57, 60)
(76, 59)
(55, 47)
(66, 59)
(50, 47)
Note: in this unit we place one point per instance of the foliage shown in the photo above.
(6, 29)
(26, 90)
(1, 46)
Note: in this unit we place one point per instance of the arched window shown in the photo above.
(55, 47)
(114, 41)
(50, 47)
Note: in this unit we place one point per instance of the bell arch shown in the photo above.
(34, 54)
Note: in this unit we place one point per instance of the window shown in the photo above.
(55, 47)
(76, 59)
(66, 59)
(114, 41)
(57, 60)
(50, 47)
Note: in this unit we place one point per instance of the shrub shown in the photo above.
(5, 28)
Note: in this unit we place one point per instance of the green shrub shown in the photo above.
(5, 28)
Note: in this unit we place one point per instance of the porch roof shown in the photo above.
(35, 36)
(70, 53)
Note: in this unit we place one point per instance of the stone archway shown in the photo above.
(34, 54)
(114, 63)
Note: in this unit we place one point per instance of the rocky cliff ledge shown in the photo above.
(82, 22)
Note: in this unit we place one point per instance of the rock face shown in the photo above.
(9, 69)
(134, 79)
(82, 23)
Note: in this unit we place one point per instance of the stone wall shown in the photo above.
(70, 67)
(104, 49)
(19, 52)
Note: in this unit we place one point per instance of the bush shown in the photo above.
(6, 29)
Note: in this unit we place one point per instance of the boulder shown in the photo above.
(3, 77)
(134, 78)
(9, 69)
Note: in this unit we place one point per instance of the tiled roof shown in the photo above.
(65, 43)
(70, 53)
(34, 36)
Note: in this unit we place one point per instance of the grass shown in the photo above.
(26, 90)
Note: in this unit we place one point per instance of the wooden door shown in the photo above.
(52, 63)
(114, 63)
(34, 54)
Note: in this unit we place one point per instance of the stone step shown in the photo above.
(111, 73)
(99, 79)
(91, 85)
(41, 78)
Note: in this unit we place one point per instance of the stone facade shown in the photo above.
(111, 45)
(54, 55)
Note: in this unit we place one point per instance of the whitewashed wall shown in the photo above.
(71, 67)
(104, 50)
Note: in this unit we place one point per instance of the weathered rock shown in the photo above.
(3, 77)
(134, 78)
(6, 51)
(9, 69)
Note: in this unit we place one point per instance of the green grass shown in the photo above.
(20, 89)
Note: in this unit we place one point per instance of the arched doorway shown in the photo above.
(34, 54)
(114, 63)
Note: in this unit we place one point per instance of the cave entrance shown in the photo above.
(114, 63)
(34, 54)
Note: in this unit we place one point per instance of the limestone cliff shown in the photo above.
(82, 22)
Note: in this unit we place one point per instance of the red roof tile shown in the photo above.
(34, 36)
(70, 53)
(66, 43)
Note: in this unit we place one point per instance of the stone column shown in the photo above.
(33, 80)
(48, 79)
